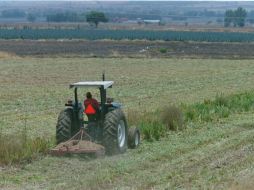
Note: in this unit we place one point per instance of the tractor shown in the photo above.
(106, 126)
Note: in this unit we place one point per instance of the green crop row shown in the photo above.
(155, 125)
(97, 34)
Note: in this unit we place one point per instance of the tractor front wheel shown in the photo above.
(115, 132)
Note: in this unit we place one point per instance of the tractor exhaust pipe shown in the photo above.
(103, 76)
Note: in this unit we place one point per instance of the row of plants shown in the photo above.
(99, 34)
(156, 125)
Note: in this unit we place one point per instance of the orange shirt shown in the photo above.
(93, 102)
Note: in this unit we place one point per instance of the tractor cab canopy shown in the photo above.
(100, 84)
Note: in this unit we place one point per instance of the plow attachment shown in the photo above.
(79, 146)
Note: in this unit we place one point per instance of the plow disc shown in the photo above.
(80, 146)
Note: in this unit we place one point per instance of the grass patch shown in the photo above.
(156, 125)
(19, 149)
(221, 107)
(152, 129)
(150, 125)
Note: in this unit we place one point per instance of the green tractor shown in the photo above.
(106, 126)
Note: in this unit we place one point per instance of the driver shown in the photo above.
(90, 100)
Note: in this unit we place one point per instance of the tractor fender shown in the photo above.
(116, 105)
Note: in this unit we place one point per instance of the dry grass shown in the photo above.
(172, 118)
(38, 87)
(133, 117)
(7, 55)
(246, 183)
(246, 186)
(18, 148)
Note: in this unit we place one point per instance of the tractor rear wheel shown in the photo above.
(64, 124)
(115, 132)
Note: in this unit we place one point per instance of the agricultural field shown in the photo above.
(214, 152)
(100, 34)
(126, 48)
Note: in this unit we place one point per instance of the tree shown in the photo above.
(96, 17)
(240, 14)
(31, 17)
(229, 16)
(237, 17)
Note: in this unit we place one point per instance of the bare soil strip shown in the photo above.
(138, 49)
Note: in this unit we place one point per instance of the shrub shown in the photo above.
(163, 50)
(172, 118)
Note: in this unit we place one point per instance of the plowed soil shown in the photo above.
(139, 49)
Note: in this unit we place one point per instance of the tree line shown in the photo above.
(94, 17)
(65, 17)
(235, 18)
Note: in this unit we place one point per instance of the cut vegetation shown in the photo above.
(209, 144)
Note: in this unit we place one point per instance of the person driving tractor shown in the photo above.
(90, 101)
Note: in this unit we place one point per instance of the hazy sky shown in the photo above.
(122, 0)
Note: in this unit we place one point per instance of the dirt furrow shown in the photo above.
(83, 48)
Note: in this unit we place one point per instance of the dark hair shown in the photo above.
(88, 95)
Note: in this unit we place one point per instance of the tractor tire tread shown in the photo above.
(64, 125)
(110, 140)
